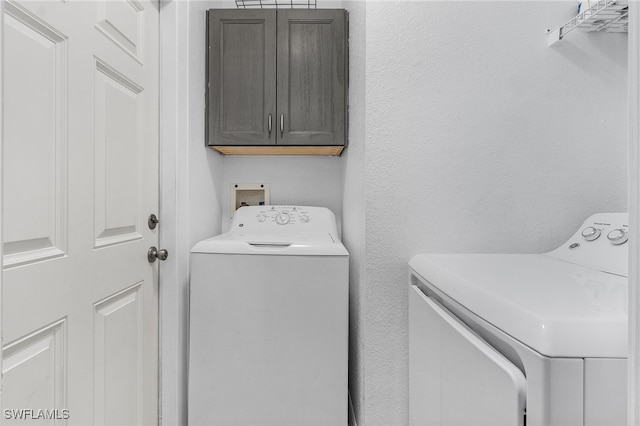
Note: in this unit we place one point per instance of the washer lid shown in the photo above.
(557, 308)
(304, 244)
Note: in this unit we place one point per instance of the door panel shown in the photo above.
(242, 65)
(118, 384)
(311, 77)
(121, 22)
(34, 211)
(310, 85)
(455, 377)
(80, 178)
(37, 361)
(119, 148)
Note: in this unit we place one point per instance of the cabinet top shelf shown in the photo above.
(603, 15)
(276, 4)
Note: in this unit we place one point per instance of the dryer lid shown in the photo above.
(555, 307)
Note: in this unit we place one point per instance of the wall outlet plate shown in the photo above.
(248, 194)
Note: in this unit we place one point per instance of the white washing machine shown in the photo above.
(268, 341)
(515, 339)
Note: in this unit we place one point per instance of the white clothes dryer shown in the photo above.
(268, 341)
(515, 339)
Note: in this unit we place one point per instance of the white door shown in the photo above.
(79, 302)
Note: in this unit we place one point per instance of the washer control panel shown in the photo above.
(283, 219)
(600, 243)
(617, 233)
(284, 215)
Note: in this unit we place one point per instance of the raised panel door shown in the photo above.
(311, 77)
(80, 177)
(241, 95)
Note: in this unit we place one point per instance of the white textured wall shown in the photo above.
(205, 166)
(353, 207)
(305, 181)
(479, 138)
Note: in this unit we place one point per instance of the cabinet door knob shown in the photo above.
(269, 124)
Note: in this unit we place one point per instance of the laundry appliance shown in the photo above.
(268, 340)
(515, 339)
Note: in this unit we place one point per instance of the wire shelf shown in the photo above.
(276, 4)
(603, 15)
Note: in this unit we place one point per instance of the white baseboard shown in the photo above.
(352, 414)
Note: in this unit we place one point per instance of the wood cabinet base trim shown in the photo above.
(279, 150)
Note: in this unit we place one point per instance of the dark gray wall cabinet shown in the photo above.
(277, 81)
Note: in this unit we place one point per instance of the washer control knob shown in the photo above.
(282, 218)
(304, 218)
(591, 233)
(261, 217)
(618, 236)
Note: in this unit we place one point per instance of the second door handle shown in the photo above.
(281, 125)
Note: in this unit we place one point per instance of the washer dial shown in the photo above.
(618, 236)
(282, 218)
(591, 233)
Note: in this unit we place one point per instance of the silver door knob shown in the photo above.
(154, 254)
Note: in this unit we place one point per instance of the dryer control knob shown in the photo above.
(261, 217)
(282, 218)
(618, 236)
(304, 218)
(591, 233)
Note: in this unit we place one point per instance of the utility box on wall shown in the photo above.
(248, 194)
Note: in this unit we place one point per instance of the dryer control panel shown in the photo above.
(601, 243)
(283, 220)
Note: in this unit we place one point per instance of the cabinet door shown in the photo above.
(311, 77)
(241, 68)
